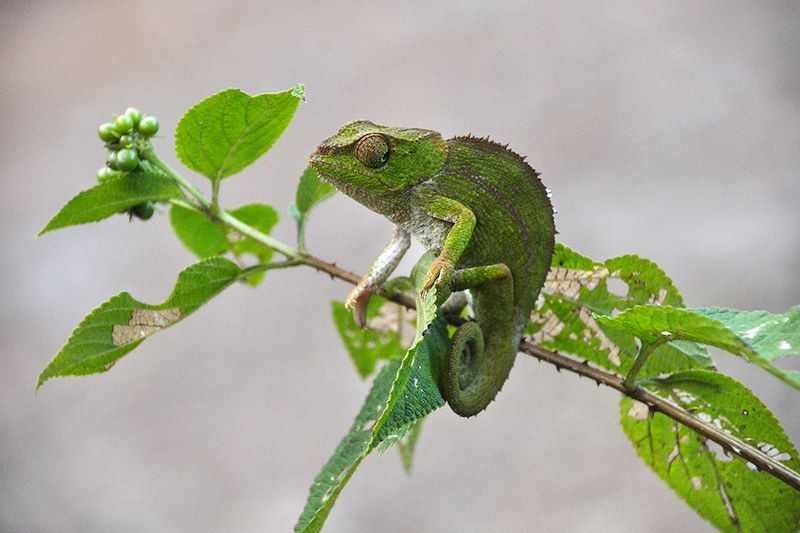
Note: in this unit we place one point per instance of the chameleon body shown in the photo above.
(484, 211)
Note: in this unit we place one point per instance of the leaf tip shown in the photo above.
(299, 91)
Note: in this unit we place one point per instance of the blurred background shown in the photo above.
(667, 129)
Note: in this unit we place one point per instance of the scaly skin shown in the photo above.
(485, 212)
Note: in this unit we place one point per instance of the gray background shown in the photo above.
(669, 129)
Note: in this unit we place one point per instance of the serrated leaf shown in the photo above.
(577, 290)
(122, 323)
(205, 239)
(773, 336)
(371, 426)
(366, 346)
(230, 130)
(114, 196)
(311, 190)
(725, 490)
(650, 322)
(404, 391)
(408, 445)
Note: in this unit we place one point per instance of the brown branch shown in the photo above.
(655, 403)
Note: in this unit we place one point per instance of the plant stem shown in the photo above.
(152, 156)
(641, 358)
(215, 193)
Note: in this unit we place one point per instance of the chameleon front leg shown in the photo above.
(463, 220)
(378, 273)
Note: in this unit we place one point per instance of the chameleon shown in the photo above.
(482, 210)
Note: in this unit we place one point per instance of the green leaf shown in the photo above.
(371, 426)
(367, 346)
(772, 336)
(408, 445)
(230, 130)
(405, 391)
(113, 196)
(122, 323)
(310, 191)
(725, 490)
(201, 236)
(205, 239)
(577, 290)
(650, 322)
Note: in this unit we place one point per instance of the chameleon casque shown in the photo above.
(485, 213)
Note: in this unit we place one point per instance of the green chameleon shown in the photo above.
(485, 213)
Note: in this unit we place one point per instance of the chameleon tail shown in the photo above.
(474, 373)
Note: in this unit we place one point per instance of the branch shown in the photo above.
(656, 403)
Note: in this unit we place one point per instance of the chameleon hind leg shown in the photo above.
(481, 354)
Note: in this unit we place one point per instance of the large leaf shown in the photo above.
(114, 196)
(577, 290)
(311, 190)
(724, 489)
(122, 323)
(372, 427)
(405, 391)
(230, 130)
(206, 239)
(651, 322)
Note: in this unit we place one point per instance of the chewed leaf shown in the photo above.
(122, 323)
(650, 322)
(773, 336)
(576, 291)
(724, 489)
(113, 196)
(230, 130)
(367, 346)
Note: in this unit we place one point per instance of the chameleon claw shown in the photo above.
(357, 302)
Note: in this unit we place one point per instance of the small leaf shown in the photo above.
(201, 236)
(122, 323)
(408, 445)
(724, 489)
(649, 322)
(310, 191)
(367, 346)
(230, 130)
(206, 239)
(113, 196)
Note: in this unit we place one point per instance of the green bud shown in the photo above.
(148, 126)
(105, 174)
(144, 211)
(107, 132)
(126, 141)
(111, 159)
(123, 123)
(127, 159)
(134, 114)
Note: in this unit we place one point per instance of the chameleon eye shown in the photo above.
(372, 150)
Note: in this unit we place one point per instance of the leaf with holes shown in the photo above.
(577, 290)
(122, 323)
(228, 131)
(724, 489)
(650, 322)
(113, 196)
(381, 339)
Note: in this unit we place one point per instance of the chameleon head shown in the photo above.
(376, 165)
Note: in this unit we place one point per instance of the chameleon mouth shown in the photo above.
(324, 167)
